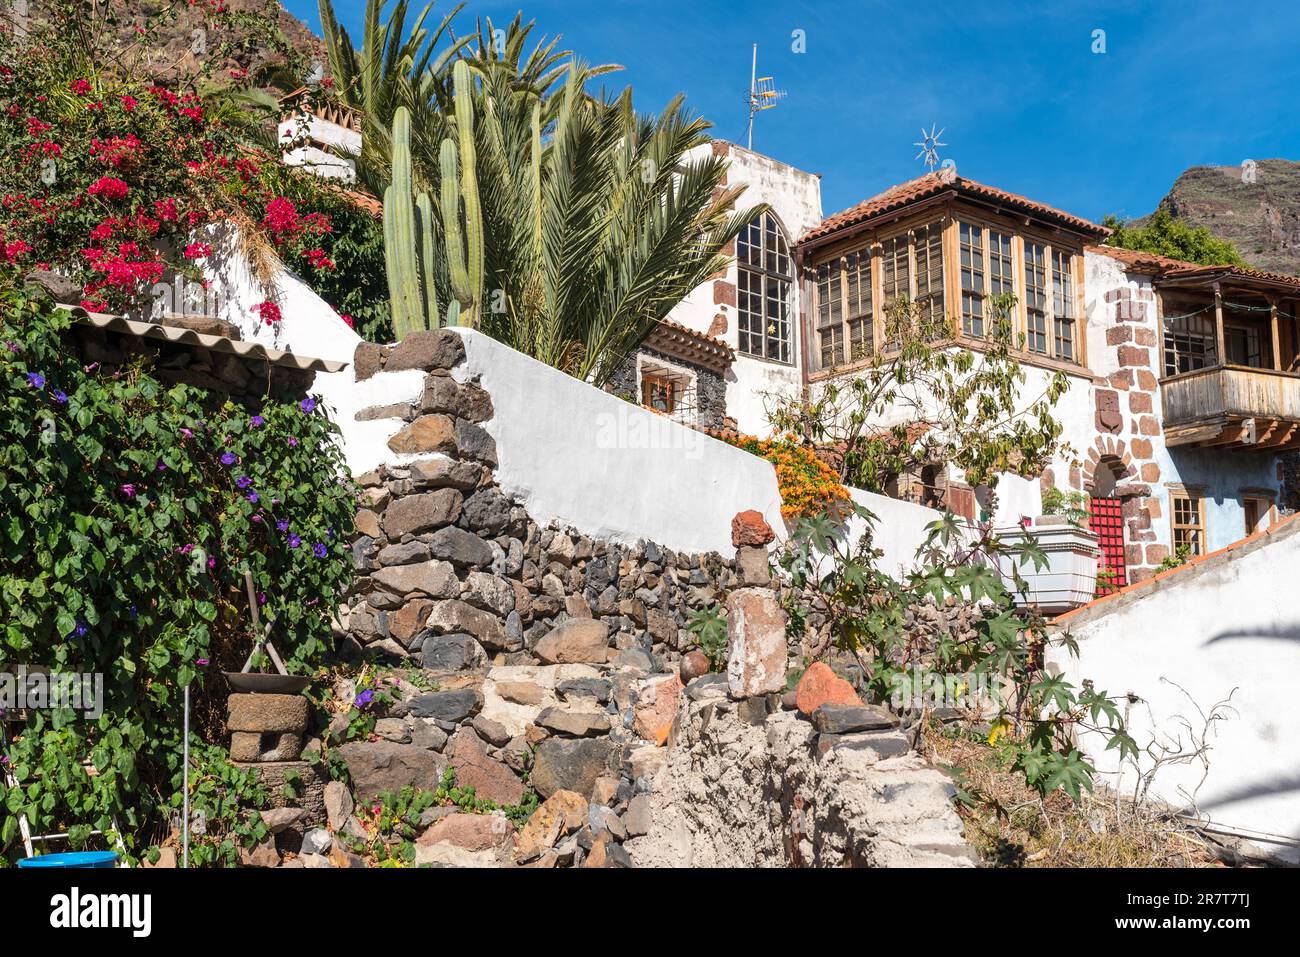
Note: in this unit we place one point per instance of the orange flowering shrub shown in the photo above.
(808, 485)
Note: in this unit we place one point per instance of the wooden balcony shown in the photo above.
(1232, 407)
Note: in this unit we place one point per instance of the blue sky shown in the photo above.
(1025, 102)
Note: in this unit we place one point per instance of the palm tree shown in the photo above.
(395, 66)
(594, 221)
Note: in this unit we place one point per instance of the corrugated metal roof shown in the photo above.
(188, 337)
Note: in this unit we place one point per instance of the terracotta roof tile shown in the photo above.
(684, 342)
(1185, 567)
(1164, 266)
(932, 184)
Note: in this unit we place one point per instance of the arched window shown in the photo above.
(763, 289)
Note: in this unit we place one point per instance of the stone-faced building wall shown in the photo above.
(1126, 456)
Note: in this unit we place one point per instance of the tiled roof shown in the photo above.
(188, 337)
(686, 343)
(1192, 564)
(371, 204)
(1164, 266)
(932, 184)
(329, 110)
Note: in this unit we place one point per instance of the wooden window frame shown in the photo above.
(1196, 497)
(949, 218)
(765, 273)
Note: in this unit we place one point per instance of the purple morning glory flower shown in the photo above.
(252, 497)
(80, 629)
(243, 481)
(307, 404)
(258, 517)
(258, 421)
(227, 458)
(37, 381)
(202, 662)
(363, 699)
(60, 396)
(293, 442)
(294, 541)
(282, 525)
(162, 467)
(319, 550)
(187, 433)
(128, 490)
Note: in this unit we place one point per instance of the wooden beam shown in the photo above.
(1277, 333)
(1218, 326)
(1284, 435)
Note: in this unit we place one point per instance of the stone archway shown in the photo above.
(1112, 472)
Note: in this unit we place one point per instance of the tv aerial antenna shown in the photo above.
(763, 95)
(929, 144)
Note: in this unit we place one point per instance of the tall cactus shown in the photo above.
(464, 253)
(415, 234)
(410, 240)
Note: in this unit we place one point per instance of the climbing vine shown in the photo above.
(129, 511)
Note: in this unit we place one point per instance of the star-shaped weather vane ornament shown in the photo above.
(930, 144)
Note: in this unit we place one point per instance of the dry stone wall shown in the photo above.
(455, 574)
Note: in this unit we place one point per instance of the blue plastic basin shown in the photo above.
(72, 859)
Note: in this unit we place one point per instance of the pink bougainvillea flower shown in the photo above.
(269, 312)
(109, 188)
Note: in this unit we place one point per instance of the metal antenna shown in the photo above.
(763, 95)
(929, 144)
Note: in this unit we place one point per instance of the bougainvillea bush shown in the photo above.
(129, 511)
(109, 178)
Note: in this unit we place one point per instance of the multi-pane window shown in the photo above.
(1244, 345)
(857, 295)
(1189, 343)
(972, 280)
(1036, 297)
(844, 293)
(928, 246)
(1188, 523)
(895, 269)
(830, 314)
(986, 271)
(1063, 304)
(763, 290)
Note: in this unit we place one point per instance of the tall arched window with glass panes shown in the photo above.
(763, 290)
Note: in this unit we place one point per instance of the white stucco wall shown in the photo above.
(613, 470)
(309, 326)
(342, 142)
(795, 198)
(1229, 621)
(900, 530)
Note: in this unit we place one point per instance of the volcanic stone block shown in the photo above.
(268, 746)
(756, 643)
(267, 712)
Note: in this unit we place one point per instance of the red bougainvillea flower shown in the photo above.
(198, 251)
(109, 188)
(318, 259)
(281, 217)
(129, 103)
(165, 209)
(347, 319)
(269, 312)
(80, 87)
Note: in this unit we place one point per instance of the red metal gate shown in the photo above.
(1106, 521)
